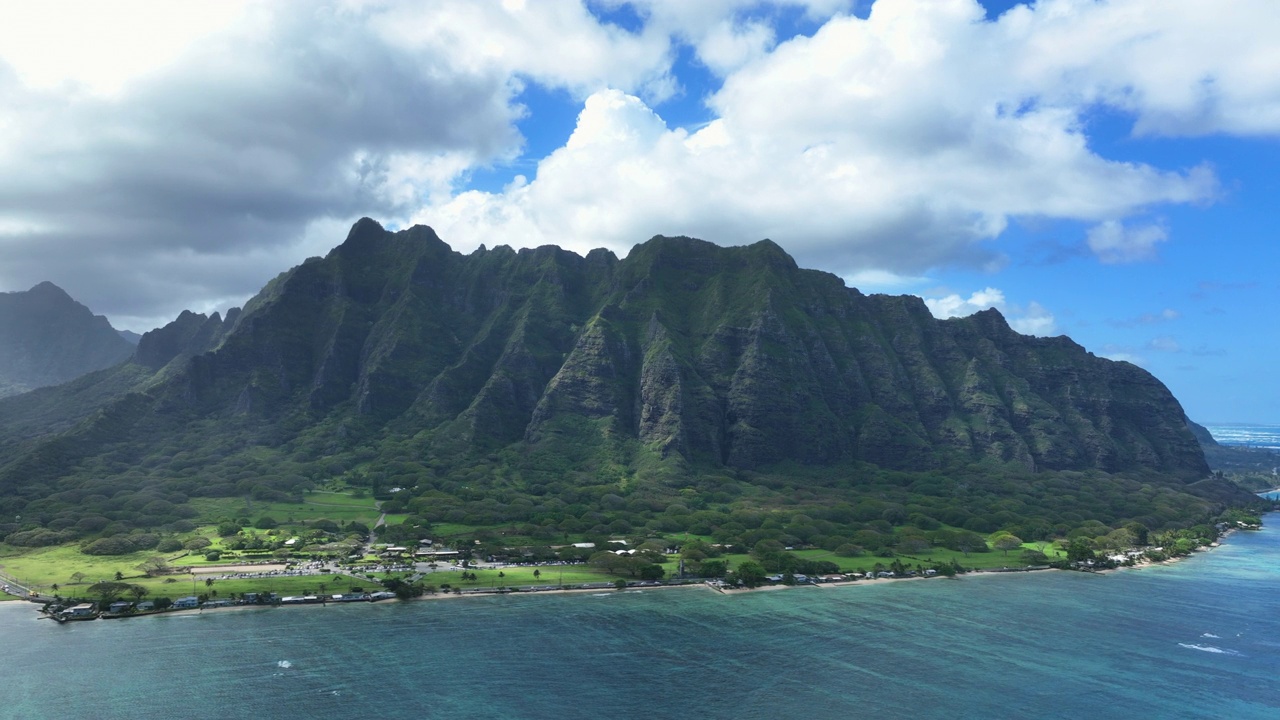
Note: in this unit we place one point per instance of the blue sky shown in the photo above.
(1096, 169)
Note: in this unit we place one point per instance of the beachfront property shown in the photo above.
(190, 601)
(82, 610)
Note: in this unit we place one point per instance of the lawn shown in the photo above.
(520, 576)
(55, 565)
(182, 586)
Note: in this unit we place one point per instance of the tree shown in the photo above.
(138, 592)
(849, 550)
(154, 566)
(1141, 535)
(537, 573)
(1080, 550)
(77, 578)
(713, 568)
(914, 544)
(108, 591)
(1007, 542)
(1034, 557)
(1121, 539)
(769, 553)
(119, 576)
(750, 573)
(968, 542)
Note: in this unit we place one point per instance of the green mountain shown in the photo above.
(546, 388)
(46, 338)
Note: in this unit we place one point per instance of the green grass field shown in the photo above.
(514, 577)
(284, 586)
(55, 565)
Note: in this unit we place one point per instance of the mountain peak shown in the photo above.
(46, 338)
(49, 290)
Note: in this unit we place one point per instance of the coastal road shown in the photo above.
(15, 587)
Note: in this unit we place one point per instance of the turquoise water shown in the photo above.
(1199, 639)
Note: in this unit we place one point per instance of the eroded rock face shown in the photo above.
(47, 338)
(685, 351)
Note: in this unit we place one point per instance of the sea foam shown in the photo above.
(1208, 649)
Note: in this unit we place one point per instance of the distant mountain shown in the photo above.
(685, 376)
(47, 338)
(130, 336)
(1253, 467)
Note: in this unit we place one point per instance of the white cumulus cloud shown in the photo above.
(896, 143)
(1031, 319)
(1114, 243)
(156, 156)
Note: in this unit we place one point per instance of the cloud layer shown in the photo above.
(150, 178)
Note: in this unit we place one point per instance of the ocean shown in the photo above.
(1196, 639)
(1258, 436)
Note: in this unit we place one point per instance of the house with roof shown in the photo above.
(83, 610)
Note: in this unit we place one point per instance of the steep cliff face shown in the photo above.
(48, 338)
(716, 356)
(684, 357)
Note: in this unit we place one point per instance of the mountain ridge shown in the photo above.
(47, 338)
(395, 359)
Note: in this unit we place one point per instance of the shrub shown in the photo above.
(118, 545)
(39, 537)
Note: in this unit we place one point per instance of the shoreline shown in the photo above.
(706, 585)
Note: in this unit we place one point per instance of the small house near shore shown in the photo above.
(81, 610)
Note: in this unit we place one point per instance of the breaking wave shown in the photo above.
(1208, 649)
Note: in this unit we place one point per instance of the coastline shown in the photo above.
(1172, 560)
(727, 591)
